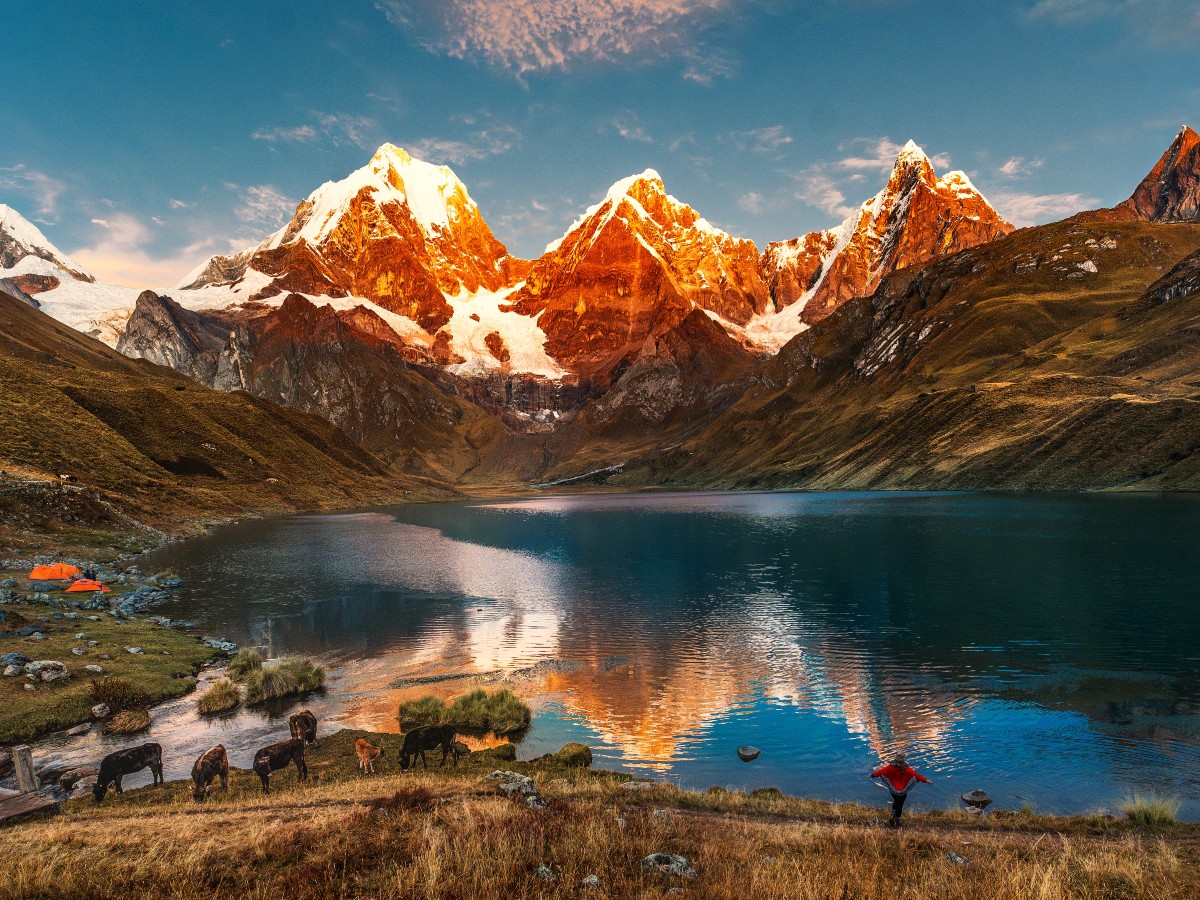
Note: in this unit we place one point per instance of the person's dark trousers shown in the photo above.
(898, 806)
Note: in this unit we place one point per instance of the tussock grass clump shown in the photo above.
(221, 697)
(411, 797)
(118, 694)
(501, 712)
(129, 722)
(244, 662)
(286, 678)
(1150, 809)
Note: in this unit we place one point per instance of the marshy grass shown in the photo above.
(243, 663)
(1152, 810)
(501, 712)
(129, 722)
(286, 678)
(118, 694)
(221, 697)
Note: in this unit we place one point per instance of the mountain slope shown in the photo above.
(25, 251)
(915, 218)
(147, 442)
(1061, 357)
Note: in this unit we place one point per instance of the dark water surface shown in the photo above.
(1044, 648)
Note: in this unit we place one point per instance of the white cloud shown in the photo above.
(761, 140)
(1162, 22)
(339, 129)
(1025, 209)
(300, 134)
(541, 35)
(178, 204)
(629, 129)
(487, 137)
(817, 188)
(752, 203)
(1019, 167)
(262, 206)
(43, 190)
(119, 253)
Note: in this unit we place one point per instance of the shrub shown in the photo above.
(283, 679)
(574, 755)
(118, 694)
(243, 663)
(1150, 809)
(419, 713)
(221, 697)
(501, 712)
(129, 722)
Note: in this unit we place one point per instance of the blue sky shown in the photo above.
(144, 141)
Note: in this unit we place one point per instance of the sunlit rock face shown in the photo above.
(399, 232)
(633, 267)
(1171, 190)
(915, 218)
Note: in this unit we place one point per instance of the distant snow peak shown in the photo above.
(22, 246)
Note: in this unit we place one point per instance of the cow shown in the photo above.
(367, 754)
(431, 737)
(304, 725)
(120, 763)
(278, 756)
(209, 765)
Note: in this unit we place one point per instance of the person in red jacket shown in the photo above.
(900, 778)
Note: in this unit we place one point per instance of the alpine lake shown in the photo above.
(1044, 648)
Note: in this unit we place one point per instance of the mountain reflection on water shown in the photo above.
(1041, 647)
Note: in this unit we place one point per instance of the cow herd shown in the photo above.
(214, 763)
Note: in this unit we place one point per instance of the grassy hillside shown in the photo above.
(1010, 366)
(449, 833)
(144, 443)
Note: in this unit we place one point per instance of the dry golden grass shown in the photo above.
(449, 834)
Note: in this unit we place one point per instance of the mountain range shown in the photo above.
(921, 343)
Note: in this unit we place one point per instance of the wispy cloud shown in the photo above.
(816, 187)
(541, 35)
(485, 137)
(178, 204)
(1019, 167)
(39, 187)
(1162, 22)
(879, 155)
(761, 140)
(752, 202)
(119, 252)
(262, 206)
(629, 128)
(339, 129)
(1025, 209)
(299, 134)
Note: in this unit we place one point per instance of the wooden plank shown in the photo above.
(27, 804)
(5, 793)
(23, 763)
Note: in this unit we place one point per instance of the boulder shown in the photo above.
(668, 864)
(94, 669)
(101, 710)
(536, 801)
(134, 650)
(30, 687)
(514, 783)
(574, 755)
(78, 730)
(14, 670)
(78, 651)
(71, 776)
(591, 883)
(977, 799)
(15, 659)
(545, 873)
(47, 669)
(748, 753)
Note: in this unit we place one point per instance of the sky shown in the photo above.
(143, 137)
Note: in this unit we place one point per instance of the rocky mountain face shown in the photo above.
(1170, 192)
(633, 267)
(915, 218)
(399, 231)
(23, 246)
(163, 332)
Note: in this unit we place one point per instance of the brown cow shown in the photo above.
(304, 726)
(120, 763)
(431, 737)
(367, 754)
(209, 765)
(277, 756)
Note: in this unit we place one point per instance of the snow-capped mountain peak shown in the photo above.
(24, 250)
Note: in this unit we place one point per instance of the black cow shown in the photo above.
(417, 741)
(304, 725)
(211, 764)
(278, 756)
(117, 765)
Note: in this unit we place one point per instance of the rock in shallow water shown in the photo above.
(748, 753)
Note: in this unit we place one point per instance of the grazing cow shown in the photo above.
(278, 756)
(304, 725)
(117, 765)
(431, 737)
(210, 764)
(367, 754)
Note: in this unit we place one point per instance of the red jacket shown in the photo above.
(899, 779)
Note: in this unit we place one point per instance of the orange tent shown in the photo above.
(56, 572)
(84, 584)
